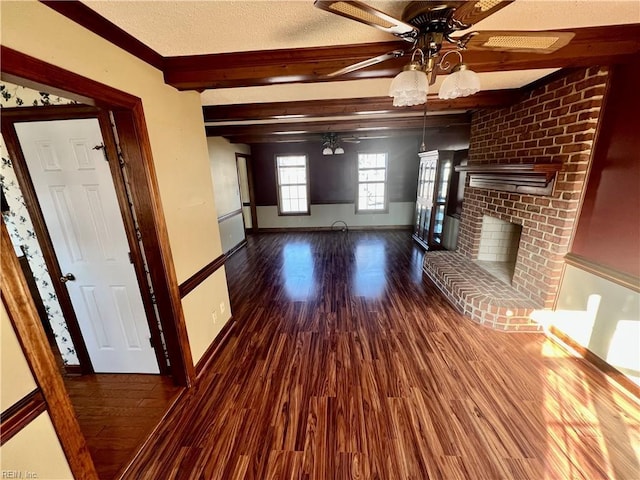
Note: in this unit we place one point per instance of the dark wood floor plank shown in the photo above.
(348, 364)
(116, 413)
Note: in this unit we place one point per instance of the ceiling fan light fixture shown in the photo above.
(409, 87)
(338, 151)
(327, 151)
(462, 82)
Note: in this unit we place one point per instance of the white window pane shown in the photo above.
(377, 175)
(291, 161)
(303, 201)
(292, 175)
(371, 196)
(372, 160)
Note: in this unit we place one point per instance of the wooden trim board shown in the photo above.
(20, 414)
(616, 375)
(33, 340)
(231, 214)
(216, 346)
(602, 271)
(201, 275)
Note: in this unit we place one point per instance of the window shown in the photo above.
(293, 195)
(372, 182)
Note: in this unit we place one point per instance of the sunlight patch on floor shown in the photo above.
(576, 444)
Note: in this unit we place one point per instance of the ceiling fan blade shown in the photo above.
(516, 41)
(366, 63)
(471, 13)
(363, 13)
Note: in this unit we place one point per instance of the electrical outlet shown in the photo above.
(214, 316)
(222, 307)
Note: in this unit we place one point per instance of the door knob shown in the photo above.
(68, 277)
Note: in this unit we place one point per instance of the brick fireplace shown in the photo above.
(555, 123)
(499, 244)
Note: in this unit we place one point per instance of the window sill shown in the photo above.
(294, 214)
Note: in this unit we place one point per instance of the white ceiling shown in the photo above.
(174, 28)
(217, 26)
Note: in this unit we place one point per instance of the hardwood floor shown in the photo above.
(117, 412)
(348, 364)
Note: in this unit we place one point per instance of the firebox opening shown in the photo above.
(499, 241)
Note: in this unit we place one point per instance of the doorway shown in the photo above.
(64, 171)
(136, 165)
(245, 186)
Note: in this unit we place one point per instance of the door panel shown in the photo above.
(76, 194)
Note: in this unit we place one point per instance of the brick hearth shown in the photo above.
(555, 123)
(478, 294)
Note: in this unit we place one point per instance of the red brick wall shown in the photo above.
(555, 123)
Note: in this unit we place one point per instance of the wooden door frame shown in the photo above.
(252, 195)
(128, 115)
(11, 116)
(37, 351)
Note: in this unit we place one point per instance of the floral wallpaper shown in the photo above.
(19, 223)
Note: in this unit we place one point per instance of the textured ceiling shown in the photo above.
(174, 28)
(196, 27)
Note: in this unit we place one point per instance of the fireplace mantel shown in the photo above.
(530, 178)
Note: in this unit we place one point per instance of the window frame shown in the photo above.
(277, 172)
(385, 208)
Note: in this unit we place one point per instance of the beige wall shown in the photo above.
(16, 379)
(35, 452)
(601, 316)
(231, 232)
(400, 213)
(226, 188)
(222, 159)
(206, 319)
(176, 132)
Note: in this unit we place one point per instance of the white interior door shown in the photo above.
(76, 193)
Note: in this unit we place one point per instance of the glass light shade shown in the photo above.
(339, 151)
(461, 83)
(327, 151)
(409, 87)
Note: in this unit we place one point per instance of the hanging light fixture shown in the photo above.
(461, 82)
(411, 86)
(331, 144)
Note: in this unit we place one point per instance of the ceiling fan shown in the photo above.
(427, 25)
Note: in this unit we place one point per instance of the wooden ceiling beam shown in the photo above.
(431, 134)
(590, 46)
(316, 137)
(353, 107)
(354, 126)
